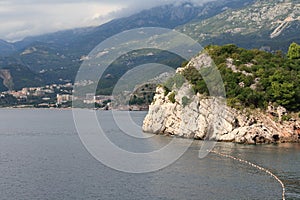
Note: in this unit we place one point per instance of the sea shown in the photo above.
(42, 156)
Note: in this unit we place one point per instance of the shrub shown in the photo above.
(172, 97)
(185, 101)
(179, 80)
(167, 90)
(286, 117)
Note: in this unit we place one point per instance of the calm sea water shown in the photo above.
(42, 157)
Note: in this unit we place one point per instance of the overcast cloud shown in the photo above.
(21, 18)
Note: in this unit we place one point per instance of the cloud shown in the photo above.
(21, 18)
(133, 6)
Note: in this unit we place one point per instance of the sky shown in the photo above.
(21, 18)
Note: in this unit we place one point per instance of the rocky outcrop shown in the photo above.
(200, 119)
(182, 113)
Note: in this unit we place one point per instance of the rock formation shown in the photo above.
(197, 116)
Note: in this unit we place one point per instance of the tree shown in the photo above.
(283, 93)
(294, 51)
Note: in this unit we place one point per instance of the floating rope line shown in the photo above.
(255, 166)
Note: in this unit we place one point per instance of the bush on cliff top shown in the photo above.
(262, 77)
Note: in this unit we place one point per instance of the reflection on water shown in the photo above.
(41, 157)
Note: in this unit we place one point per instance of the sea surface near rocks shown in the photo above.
(42, 157)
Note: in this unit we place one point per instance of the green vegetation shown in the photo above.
(195, 78)
(177, 80)
(185, 101)
(8, 100)
(131, 60)
(286, 117)
(20, 75)
(143, 95)
(260, 77)
(172, 97)
(167, 90)
(134, 100)
(294, 51)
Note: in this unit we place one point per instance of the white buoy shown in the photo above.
(255, 166)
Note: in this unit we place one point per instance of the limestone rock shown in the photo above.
(199, 120)
(208, 117)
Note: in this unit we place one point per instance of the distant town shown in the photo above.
(61, 96)
(50, 96)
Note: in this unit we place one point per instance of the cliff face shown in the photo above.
(197, 121)
(184, 114)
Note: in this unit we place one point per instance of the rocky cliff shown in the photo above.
(182, 113)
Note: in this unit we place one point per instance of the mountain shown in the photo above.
(83, 40)
(56, 57)
(167, 16)
(15, 75)
(266, 24)
(271, 24)
(6, 48)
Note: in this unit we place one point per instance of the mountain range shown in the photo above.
(272, 24)
(56, 57)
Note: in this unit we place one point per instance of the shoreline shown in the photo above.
(33, 108)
